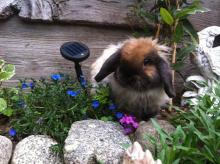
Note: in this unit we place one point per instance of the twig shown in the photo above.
(158, 31)
(174, 52)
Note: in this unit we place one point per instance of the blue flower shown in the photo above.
(12, 132)
(73, 93)
(119, 115)
(56, 77)
(112, 107)
(24, 85)
(95, 104)
(83, 81)
(31, 84)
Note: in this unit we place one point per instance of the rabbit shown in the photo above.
(139, 76)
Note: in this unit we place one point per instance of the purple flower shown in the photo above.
(112, 107)
(135, 125)
(73, 93)
(119, 115)
(24, 85)
(12, 132)
(128, 130)
(95, 104)
(127, 120)
(31, 84)
(129, 123)
(55, 77)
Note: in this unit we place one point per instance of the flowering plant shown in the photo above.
(129, 123)
(51, 106)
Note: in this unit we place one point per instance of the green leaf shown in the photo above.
(7, 112)
(104, 118)
(2, 62)
(3, 104)
(184, 52)
(183, 13)
(178, 34)
(176, 161)
(183, 148)
(209, 154)
(15, 98)
(7, 71)
(178, 135)
(9, 68)
(110, 118)
(166, 16)
(188, 28)
(162, 133)
(6, 75)
(177, 66)
(143, 14)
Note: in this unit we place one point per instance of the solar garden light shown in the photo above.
(76, 52)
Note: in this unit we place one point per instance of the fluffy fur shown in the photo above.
(138, 74)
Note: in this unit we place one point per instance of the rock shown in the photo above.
(136, 155)
(35, 149)
(148, 128)
(36, 9)
(6, 9)
(5, 150)
(90, 141)
(208, 54)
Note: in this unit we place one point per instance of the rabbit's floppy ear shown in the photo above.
(109, 66)
(166, 77)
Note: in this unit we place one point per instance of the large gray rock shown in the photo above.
(35, 149)
(90, 141)
(147, 128)
(5, 150)
(6, 9)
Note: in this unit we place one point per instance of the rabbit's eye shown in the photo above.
(147, 61)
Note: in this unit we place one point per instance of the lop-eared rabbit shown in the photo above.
(138, 74)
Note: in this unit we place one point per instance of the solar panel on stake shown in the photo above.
(76, 52)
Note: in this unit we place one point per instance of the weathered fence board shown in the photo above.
(104, 12)
(34, 48)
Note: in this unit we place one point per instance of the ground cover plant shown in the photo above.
(197, 135)
(50, 106)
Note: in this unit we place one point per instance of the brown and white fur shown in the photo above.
(138, 73)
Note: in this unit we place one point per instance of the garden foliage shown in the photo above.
(7, 95)
(51, 106)
(197, 135)
(169, 19)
